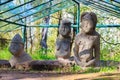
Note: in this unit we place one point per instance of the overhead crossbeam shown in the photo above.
(105, 10)
(94, 5)
(12, 22)
(56, 26)
(17, 6)
(22, 17)
(41, 10)
(105, 26)
(35, 13)
(26, 10)
(10, 29)
(57, 9)
(116, 1)
(110, 4)
(5, 2)
(113, 8)
(104, 6)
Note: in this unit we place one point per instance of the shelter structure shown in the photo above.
(16, 13)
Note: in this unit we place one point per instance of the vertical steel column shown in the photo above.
(78, 17)
(24, 34)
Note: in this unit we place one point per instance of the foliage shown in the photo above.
(41, 55)
(75, 68)
(5, 54)
(101, 69)
(108, 69)
(78, 69)
(109, 48)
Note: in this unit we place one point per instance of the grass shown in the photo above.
(101, 69)
(39, 55)
(5, 54)
(78, 69)
(108, 69)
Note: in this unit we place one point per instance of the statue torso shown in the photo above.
(86, 46)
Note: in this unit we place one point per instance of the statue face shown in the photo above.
(65, 28)
(87, 24)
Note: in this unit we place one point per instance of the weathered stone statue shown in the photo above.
(87, 42)
(17, 50)
(63, 42)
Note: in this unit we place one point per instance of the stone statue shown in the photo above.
(87, 42)
(63, 42)
(17, 50)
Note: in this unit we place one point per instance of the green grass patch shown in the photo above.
(5, 54)
(75, 68)
(78, 69)
(42, 55)
(108, 69)
(101, 69)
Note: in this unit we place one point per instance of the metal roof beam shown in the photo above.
(110, 3)
(116, 1)
(106, 10)
(56, 25)
(12, 22)
(93, 5)
(106, 6)
(26, 10)
(104, 26)
(40, 11)
(17, 7)
(50, 13)
(9, 30)
(5, 2)
(34, 13)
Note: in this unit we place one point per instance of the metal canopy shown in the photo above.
(12, 13)
(16, 11)
(111, 7)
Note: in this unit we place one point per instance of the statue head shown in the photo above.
(17, 46)
(65, 27)
(88, 22)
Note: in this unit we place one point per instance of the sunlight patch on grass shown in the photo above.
(5, 54)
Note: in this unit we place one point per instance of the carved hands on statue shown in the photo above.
(83, 62)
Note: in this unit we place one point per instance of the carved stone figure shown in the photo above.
(87, 42)
(63, 42)
(17, 50)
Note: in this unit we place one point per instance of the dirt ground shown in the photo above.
(50, 75)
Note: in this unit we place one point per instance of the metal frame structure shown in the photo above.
(16, 14)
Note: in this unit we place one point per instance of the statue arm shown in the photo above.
(97, 52)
